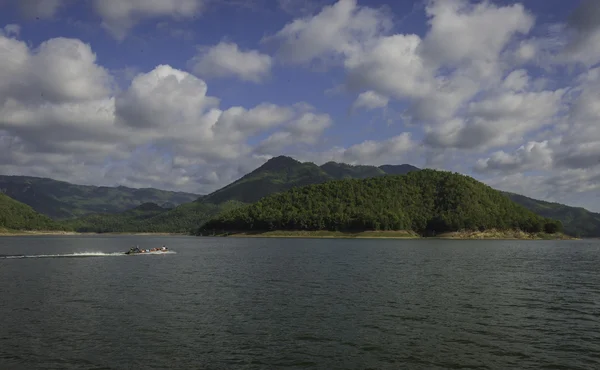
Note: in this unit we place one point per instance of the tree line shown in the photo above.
(427, 202)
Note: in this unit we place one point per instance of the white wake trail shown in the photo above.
(79, 254)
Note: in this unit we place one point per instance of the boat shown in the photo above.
(137, 250)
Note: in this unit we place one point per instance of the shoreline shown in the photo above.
(400, 234)
(5, 232)
(323, 234)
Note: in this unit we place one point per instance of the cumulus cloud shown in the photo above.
(11, 30)
(119, 16)
(306, 129)
(226, 59)
(395, 150)
(466, 81)
(531, 156)
(338, 28)
(60, 116)
(370, 100)
(485, 88)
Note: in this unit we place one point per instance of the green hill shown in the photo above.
(577, 221)
(63, 200)
(427, 202)
(150, 217)
(15, 215)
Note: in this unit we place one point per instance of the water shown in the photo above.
(222, 303)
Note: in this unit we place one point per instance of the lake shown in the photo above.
(227, 303)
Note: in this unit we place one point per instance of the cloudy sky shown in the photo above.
(192, 94)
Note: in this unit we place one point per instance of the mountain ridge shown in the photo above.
(63, 200)
(283, 172)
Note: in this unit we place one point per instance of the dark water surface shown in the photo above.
(223, 303)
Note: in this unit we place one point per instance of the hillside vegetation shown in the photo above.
(15, 215)
(63, 200)
(576, 221)
(427, 202)
(150, 217)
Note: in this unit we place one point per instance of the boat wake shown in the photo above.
(75, 255)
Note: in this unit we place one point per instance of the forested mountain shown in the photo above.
(282, 173)
(63, 200)
(277, 174)
(425, 201)
(577, 221)
(15, 215)
(150, 217)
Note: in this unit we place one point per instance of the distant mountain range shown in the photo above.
(127, 209)
(63, 200)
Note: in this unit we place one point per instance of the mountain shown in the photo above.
(426, 201)
(577, 221)
(63, 200)
(276, 175)
(282, 173)
(150, 217)
(279, 174)
(127, 221)
(15, 215)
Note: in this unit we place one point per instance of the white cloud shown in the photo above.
(452, 38)
(395, 150)
(370, 100)
(338, 28)
(11, 30)
(226, 59)
(306, 129)
(499, 118)
(119, 16)
(531, 156)
(59, 117)
(483, 88)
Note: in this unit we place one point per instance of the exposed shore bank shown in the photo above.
(400, 234)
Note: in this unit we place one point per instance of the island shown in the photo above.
(425, 203)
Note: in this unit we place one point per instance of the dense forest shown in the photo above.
(427, 202)
(15, 215)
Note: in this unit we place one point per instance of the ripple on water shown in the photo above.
(293, 304)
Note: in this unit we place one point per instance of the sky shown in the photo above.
(192, 94)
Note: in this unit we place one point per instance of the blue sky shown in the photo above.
(191, 94)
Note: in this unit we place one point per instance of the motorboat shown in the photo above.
(138, 250)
